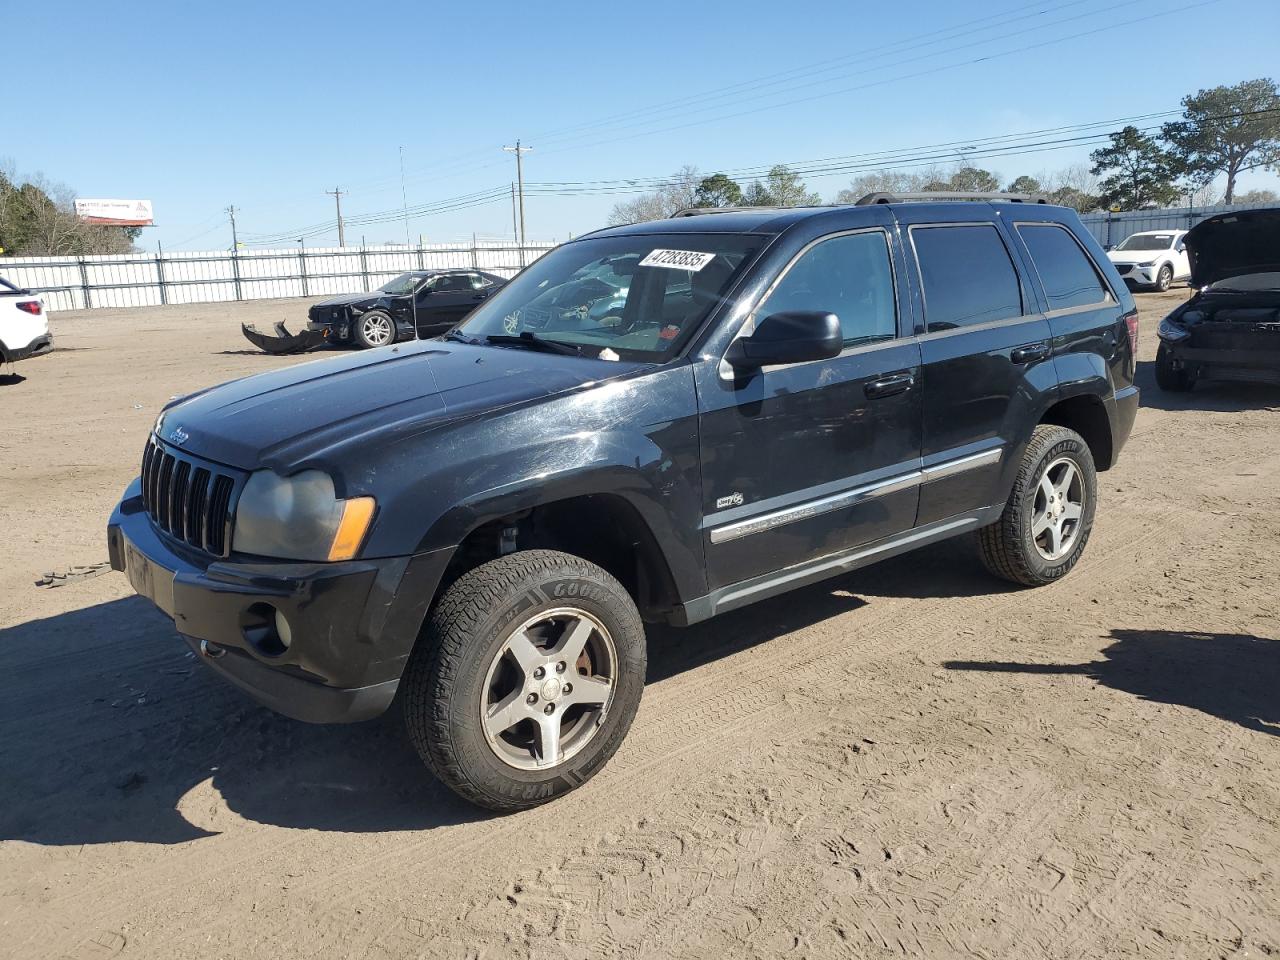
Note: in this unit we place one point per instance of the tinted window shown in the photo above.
(454, 281)
(1069, 278)
(968, 276)
(849, 276)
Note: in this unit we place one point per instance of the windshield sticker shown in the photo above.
(689, 260)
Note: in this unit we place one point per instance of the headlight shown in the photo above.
(299, 518)
(1173, 332)
(1149, 263)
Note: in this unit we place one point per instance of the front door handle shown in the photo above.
(1031, 353)
(888, 386)
(479, 296)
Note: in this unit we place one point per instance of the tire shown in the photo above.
(1011, 548)
(473, 658)
(374, 329)
(1169, 378)
(1164, 278)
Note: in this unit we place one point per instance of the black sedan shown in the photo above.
(434, 300)
(1230, 328)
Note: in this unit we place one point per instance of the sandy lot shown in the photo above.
(911, 761)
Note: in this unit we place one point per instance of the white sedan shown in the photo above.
(24, 324)
(1154, 258)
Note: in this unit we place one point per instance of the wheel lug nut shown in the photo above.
(538, 673)
(560, 667)
(549, 708)
(567, 688)
(532, 698)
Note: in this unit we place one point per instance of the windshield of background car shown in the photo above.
(1147, 241)
(641, 297)
(402, 284)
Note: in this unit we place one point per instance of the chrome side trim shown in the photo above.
(971, 462)
(848, 498)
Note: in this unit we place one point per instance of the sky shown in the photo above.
(268, 105)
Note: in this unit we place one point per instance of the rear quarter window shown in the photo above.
(1065, 270)
(967, 274)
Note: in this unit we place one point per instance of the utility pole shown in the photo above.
(231, 212)
(404, 201)
(336, 193)
(520, 151)
(515, 226)
(235, 253)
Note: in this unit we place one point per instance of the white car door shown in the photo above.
(1181, 264)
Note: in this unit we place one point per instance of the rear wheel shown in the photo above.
(526, 678)
(1170, 378)
(1049, 515)
(374, 329)
(1164, 278)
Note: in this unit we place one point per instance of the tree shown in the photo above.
(1026, 184)
(1258, 197)
(1228, 130)
(1137, 172)
(973, 180)
(718, 190)
(782, 187)
(38, 218)
(678, 193)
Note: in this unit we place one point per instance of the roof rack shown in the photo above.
(699, 211)
(925, 195)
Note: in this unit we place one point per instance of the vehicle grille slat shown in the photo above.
(189, 498)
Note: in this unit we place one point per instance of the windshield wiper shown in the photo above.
(531, 340)
(457, 337)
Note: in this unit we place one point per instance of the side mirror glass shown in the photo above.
(795, 337)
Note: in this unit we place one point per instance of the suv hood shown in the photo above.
(301, 413)
(1234, 244)
(1136, 256)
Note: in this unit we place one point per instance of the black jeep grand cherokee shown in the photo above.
(772, 397)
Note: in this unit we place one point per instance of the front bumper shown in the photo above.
(41, 344)
(1141, 276)
(352, 625)
(1258, 366)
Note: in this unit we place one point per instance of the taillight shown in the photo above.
(1131, 322)
(32, 307)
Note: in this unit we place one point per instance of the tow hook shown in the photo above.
(211, 651)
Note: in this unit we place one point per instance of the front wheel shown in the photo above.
(1047, 519)
(1164, 278)
(526, 679)
(374, 329)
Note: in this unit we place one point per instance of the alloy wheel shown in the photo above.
(1058, 509)
(376, 330)
(548, 689)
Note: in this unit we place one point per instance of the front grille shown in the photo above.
(188, 498)
(1123, 268)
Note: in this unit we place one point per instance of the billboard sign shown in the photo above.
(116, 213)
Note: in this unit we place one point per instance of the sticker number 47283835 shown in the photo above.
(678, 259)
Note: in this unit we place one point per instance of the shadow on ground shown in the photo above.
(1232, 676)
(1219, 396)
(107, 721)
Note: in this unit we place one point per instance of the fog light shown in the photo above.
(282, 630)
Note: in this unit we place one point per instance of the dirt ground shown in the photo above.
(910, 761)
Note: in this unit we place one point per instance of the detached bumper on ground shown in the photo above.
(320, 642)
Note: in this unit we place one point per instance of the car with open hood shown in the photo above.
(658, 422)
(415, 305)
(1152, 259)
(1230, 328)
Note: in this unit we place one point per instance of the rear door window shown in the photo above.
(850, 276)
(967, 274)
(1068, 276)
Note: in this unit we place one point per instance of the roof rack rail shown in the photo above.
(873, 198)
(699, 211)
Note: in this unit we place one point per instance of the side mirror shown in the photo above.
(794, 337)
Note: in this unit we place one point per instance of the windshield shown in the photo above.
(402, 284)
(637, 297)
(1147, 241)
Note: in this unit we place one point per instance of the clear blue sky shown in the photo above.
(267, 105)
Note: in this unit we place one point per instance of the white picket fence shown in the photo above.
(144, 280)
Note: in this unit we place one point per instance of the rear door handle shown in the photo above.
(888, 386)
(1031, 353)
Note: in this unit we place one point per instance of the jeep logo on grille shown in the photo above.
(179, 436)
